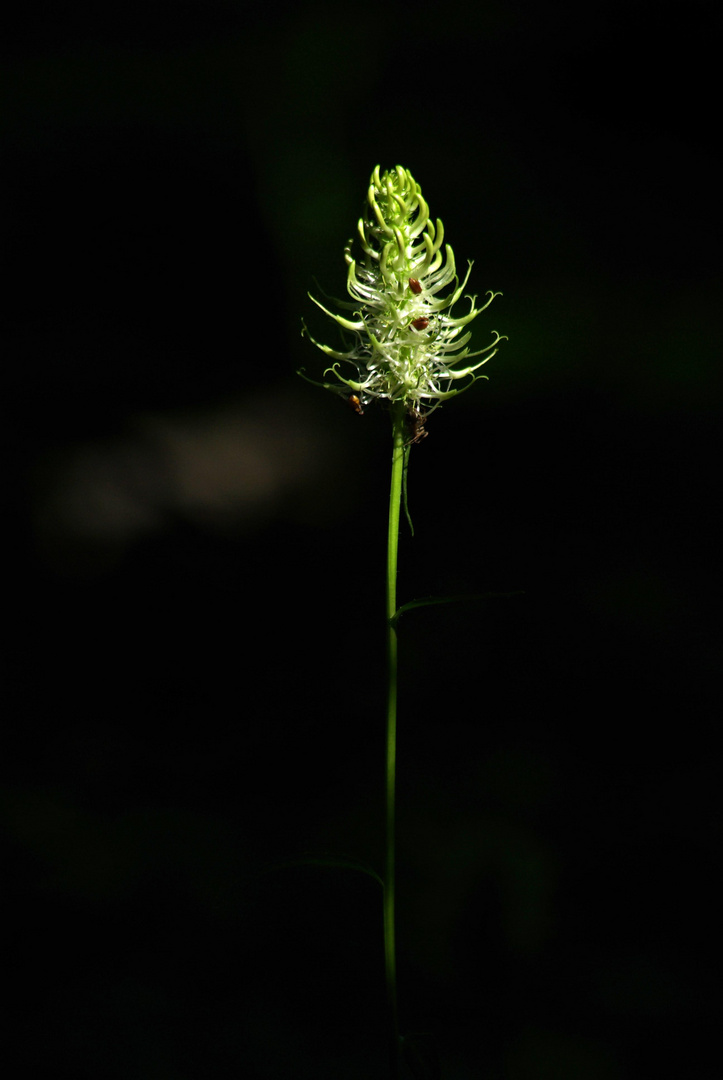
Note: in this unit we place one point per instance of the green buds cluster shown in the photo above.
(404, 345)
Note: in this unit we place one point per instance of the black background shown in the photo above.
(195, 538)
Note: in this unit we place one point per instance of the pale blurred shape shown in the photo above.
(226, 469)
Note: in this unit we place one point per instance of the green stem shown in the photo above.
(390, 964)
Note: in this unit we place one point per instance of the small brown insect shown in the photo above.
(415, 286)
(355, 403)
(421, 323)
(415, 423)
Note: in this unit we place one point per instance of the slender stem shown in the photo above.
(390, 963)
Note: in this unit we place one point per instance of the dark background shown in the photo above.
(195, 551)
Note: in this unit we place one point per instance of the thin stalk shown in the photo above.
(390, 963)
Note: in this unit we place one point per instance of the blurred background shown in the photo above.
(195, 546)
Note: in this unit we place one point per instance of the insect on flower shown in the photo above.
(415, 286)
(415, 423)
(354, 402)
(421, 323)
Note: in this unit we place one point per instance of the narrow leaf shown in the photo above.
(427, 601)
(343, 862)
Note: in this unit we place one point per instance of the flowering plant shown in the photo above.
(406, 346)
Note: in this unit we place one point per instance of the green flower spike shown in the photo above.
(405, 345)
